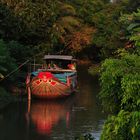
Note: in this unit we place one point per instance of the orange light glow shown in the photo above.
(46, 115)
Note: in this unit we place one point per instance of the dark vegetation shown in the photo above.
(96, 30)
(120, 86)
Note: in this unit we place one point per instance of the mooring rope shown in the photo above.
(9, 74)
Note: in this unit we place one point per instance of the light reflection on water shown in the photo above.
(55, 120)
(46, 115)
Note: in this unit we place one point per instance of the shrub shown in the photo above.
(124, 126)
(120, 83)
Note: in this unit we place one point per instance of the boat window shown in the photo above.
(57, 64)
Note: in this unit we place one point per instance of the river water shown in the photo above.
(56, 120)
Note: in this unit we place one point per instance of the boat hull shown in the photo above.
(48, 86)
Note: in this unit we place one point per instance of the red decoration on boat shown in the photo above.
(37, 82)
(45, 75)
(53, 83)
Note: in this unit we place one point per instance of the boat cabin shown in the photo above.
(55, 64)
(59, 63)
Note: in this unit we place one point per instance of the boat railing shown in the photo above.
(43, 67)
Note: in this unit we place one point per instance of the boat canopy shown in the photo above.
(58, 57)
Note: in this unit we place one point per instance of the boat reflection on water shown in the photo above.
(47, 114)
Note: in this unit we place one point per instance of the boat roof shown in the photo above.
(58, 57)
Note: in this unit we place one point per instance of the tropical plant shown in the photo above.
(120, 83)
(124, 126)
(87, 8)
(132, 32)
(10, 25)
(16, 49)
(107, 36)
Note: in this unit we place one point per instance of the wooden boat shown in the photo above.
(57, 77)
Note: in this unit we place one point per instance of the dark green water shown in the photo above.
(56, 120)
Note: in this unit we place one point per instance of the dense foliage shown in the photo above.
(63, 26)
(84, 28)
(120, 86)
(120, 82)
(124, 126)
(7, 62)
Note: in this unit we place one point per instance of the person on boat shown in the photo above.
(53, 66)
(71, 66)
(56, 66)
(49, 66)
